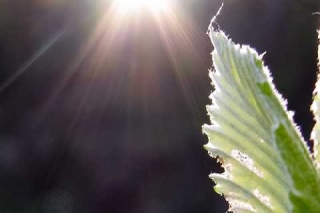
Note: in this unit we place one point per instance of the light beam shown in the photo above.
(137, 5)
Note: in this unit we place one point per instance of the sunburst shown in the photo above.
(138, 5)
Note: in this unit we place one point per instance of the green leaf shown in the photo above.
(267, 164)
(315, 107)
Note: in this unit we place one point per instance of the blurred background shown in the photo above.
(101, 109)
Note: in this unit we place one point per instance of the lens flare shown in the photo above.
(134, 5)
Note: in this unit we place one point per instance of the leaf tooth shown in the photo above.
(239, 116)
(239, 210)
(237, 193)
(224, 123)
(240, 172)
(238, 206)
(226, 142)
(230, 92)
(315, 108)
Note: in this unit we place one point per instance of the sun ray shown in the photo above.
(112, 32)
(177, 33)
(35, 57)
(125, 6)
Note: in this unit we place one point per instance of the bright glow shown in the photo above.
(134, 5)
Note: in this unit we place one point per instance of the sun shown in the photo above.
(135, 5)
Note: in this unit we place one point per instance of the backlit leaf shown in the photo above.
(267, 165)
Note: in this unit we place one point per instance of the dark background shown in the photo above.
(102, 113)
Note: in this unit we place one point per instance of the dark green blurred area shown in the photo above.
(128, 139)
